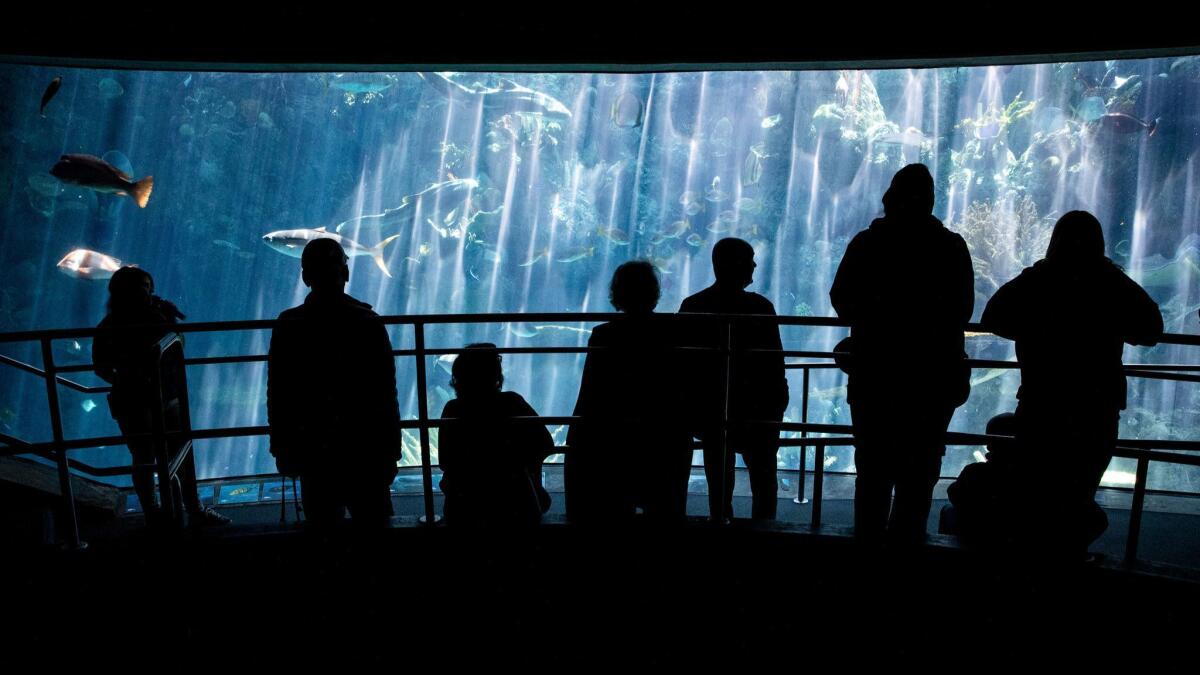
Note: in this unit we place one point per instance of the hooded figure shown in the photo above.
(906, 286)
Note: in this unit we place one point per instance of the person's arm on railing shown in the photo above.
(1005, 310)
(1142, 321)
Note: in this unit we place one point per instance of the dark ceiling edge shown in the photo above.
(605, 67)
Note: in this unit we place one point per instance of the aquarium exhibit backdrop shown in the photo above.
(521, 192)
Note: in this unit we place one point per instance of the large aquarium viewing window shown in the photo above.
(522, 192)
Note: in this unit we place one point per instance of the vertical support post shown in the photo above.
(423, 417)
(1135, 511)
(800, 498)
(818, 485)
(69, 521)
(726, 344)
(162, 455)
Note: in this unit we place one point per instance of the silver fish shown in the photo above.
(292, 243)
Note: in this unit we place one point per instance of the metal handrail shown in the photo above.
(1143, 451)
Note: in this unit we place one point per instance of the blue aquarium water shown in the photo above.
(488, 192)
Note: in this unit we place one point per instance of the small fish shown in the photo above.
(658, 238)
(688, 197)
(715, 193)
(727, 217)
(239, 491)
(910, 137)
(226, 244)
(110, 88)
(92, 265)
(51, 90)
(771, 121)
(748, 205)
(1123, 123)
(96, 174)
(661, 264)
(717, 227)
(536, 257)
(693, 209)
(578, 254)
(187, 81)
(695, 240)
(676, 229)
(614, 234)
(88, 405)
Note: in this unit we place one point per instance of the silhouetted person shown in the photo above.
(331, 397)
(125, 358)
(986, 492)
(906, 286)
(491, 466)
(1070, 315)
(630, 448)
(758, 389)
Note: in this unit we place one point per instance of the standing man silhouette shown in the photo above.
(906, 286)
(331, 397)
(758, 389)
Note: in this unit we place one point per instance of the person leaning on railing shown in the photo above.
(123, 355)
(1071, 315)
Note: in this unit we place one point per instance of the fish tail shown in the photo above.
(140, 191)
(377, 254)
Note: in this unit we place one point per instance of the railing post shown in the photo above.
(726, 344)
(68, 518)
(423, 417)
(818, 485)
(1135, 511)
(800, 498)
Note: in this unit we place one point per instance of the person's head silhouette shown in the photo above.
(323, 265)
(1077, 240)
(910, 194)
(634, 288)
(477, 371)
(733, 262)
(130, 286)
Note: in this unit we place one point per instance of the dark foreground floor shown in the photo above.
(698, 596)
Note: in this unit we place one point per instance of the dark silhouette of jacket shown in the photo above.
(758, 391)
(631, 446)
(758, 388)
(1070, 324)
(331, 390)
(491, 468)
(1070, 330)
(907, 289)
(122, 352)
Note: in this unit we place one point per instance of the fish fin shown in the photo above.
(377, 254)
(321, 229)
(140, 191)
